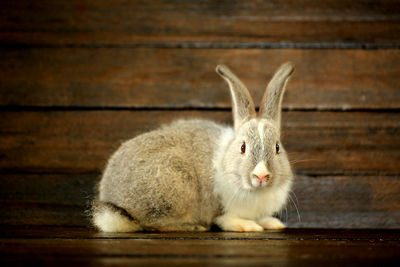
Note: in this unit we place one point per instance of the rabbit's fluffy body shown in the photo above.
(163, 178)
(191, 173)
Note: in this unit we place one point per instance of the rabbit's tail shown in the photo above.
(108, 217)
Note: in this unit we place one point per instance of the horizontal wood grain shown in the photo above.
(176, 78)
(79, 77)
(244, 251)
(63, 246)
(81, 141)
(204, 260)
(28, 213)
(325, 202)
(310, 234)
(160, 247)
(103, 22)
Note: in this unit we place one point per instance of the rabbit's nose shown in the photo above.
(262, 177)
(261, 172)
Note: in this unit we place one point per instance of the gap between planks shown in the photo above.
(213, 45)
(188, 108)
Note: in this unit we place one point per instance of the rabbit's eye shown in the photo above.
(277, 148)
(243, 148)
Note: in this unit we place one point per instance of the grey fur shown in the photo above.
(170, 179)
(242, 104)
(272, 100)
(163, 178)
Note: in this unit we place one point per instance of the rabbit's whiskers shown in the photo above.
(294, 203)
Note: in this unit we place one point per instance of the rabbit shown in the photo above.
(191, 174)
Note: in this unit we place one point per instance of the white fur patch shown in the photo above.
(260, 169)
(237, 224)
(225, 138)
(271, 223)
(111, 221)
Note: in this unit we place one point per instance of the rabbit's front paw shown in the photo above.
(238, 225)
(271, 223)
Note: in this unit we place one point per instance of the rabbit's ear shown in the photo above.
(271, 103)
(242, 104)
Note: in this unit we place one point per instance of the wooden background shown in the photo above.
(79, 77)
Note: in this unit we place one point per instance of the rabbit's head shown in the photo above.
(255, 158)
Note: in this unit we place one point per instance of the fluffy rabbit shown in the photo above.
(190, 174)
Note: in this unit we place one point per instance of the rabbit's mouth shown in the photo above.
(260, 182)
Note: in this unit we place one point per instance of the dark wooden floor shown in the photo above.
(70, 246)
(78, 77)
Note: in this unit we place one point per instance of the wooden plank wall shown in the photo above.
(79, 77)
